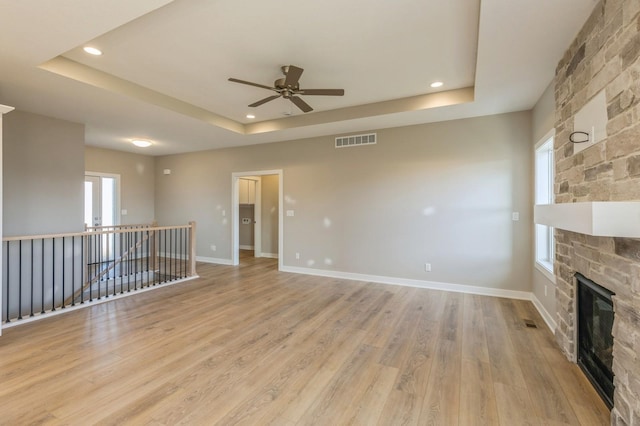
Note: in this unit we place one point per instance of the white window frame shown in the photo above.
(543, 194)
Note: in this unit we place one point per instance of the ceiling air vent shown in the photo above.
(355, 140)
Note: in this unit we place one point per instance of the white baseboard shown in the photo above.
(246, 247)
(546, 316)
(433, 285)
(173, 255)
(214, 260)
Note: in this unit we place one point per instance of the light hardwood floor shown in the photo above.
(250, 345)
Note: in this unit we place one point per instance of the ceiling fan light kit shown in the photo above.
(288, 87)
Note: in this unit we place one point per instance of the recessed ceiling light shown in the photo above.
(92, 50)
(141, 143)
(251, 116)
(436, 84)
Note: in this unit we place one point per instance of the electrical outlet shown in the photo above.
(213, 247)
(298, 256)
(427, 267)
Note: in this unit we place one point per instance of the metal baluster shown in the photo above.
(31, 313)
(105, 271)
(135, 260)
(73, 270)
(185, 257)
(91, 263)
(8, 279)
(20, 279)
(149, 261)
(42, 282)
(113, 248)
(99, 266)
(145, 261)
(83, 263)
(64, 277)
(121, 267)
(128, 260)
(53, 274)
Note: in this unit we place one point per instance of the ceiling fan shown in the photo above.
(288, 87)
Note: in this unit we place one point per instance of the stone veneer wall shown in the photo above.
(604, 56)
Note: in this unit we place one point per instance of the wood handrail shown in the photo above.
(90, 233)
(136, 225)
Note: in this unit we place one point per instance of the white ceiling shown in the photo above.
(163, 75)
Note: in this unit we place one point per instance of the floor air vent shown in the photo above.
(530, 324)
(356, 140)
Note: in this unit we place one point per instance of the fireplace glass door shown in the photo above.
(595, 339)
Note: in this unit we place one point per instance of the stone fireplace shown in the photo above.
(603, 57)
(614, 264)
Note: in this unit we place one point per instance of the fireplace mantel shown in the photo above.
(598, 218)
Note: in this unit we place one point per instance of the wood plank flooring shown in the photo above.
(249, 345)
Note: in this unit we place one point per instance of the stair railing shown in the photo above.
(43, 274)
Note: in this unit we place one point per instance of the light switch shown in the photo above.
(290, 213)
(123, 212)
(515, 216)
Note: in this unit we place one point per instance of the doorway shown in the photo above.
(249, 210)
(101, 199)
(267, 203)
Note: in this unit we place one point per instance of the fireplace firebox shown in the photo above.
(595, 339)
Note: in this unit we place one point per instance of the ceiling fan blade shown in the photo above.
(264, 101)
(305, 107)
(235, 80)
(325, 92)
(293, 75)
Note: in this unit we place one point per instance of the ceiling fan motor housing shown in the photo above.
(279, 84)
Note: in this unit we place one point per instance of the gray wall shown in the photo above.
(137, 180)
(543, 120)
(441, 193)
(43, 167)
(270, 214)
(543, 115)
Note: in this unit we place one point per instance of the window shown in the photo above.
(544, 195)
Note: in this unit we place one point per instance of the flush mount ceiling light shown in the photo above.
(436, 84)
(92, 50)
(141, 143)
(251, 116)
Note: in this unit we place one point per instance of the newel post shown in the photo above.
(192, 248)
(153, 246)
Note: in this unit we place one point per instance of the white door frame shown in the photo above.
(235, 202)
